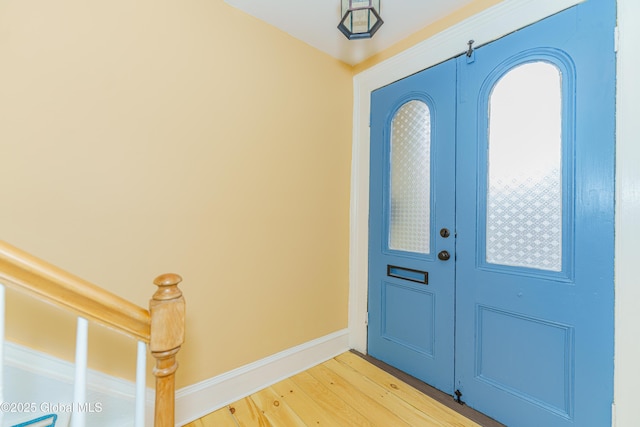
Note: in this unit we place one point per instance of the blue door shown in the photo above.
(535, 199)
(530, 238)
(411, 222)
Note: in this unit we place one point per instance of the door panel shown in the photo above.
(411, 291)
(534, 319)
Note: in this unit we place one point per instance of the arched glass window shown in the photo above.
(524, 216)
(410, 178)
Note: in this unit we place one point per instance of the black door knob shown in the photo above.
(443, 255)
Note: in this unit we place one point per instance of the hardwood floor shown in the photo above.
(344, 391)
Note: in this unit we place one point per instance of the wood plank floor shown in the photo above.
(344, 391)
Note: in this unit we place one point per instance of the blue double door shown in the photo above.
(491, 223)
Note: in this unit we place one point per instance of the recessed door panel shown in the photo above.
(535, 366)
(404, 305)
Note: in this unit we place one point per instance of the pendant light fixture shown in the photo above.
(360, 18)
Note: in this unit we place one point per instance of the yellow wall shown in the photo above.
(138, 138)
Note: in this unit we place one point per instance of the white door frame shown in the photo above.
(484, 27)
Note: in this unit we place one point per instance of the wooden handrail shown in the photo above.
(24, 272)
(162, 326)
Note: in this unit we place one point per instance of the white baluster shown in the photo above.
(78, 418)
(2, 306)
(141, 380)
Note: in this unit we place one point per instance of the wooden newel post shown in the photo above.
(167, 308)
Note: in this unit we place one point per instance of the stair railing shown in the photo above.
(161, 327)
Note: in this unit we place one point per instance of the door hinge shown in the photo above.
(366, 319)
(458, 397)
(616, 39)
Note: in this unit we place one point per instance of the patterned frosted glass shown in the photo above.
(410, 182)
(524, 197)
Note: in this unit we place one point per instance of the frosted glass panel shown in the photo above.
(524, 197)
(410, 182)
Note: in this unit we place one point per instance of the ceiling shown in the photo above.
(315, 22)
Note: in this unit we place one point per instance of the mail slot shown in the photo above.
(408, 274)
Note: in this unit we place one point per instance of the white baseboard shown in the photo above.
(32, 376)
(195, 401)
